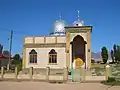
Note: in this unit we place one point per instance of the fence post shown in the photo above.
(47, 73)
(2, 72)
(65, 74)
(107, 71)
(16, 72)
(31, 72)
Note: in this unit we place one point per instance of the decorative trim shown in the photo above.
(77, 31)
(52, 64)
(45, 45)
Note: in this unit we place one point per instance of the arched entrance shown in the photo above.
(78, 48)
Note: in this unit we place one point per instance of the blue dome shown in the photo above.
(78, 23)
(59, 28)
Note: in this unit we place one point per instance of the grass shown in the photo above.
(98, 65)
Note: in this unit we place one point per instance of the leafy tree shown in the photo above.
(118, 54)
(92, 61)
(115, 52)
(16, 59)
(104, 54)
(116, 49)
(6, 53)
(112, 56)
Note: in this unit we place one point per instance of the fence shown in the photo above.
(39, 74)
(59, 75)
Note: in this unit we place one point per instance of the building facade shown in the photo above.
(60, 48)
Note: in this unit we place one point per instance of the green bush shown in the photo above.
(19, 66)
(111, 79)
(69, 73)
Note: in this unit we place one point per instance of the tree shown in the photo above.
(92, 61)
(16, 59)
(104, 54)
(6, 53)
(115, 52)
(1, 48)
(112, 56)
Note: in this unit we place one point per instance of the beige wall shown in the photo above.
(28, 40)
(41, 40)
(43, 58)
(61, 39)
(50, 40)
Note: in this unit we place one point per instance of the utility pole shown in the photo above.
(10, 48)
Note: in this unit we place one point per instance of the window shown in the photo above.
(52, 56)
(33, 56)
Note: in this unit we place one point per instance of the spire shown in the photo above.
(78, 16)
(60, 16)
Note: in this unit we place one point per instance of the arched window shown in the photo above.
(52, 56)
(33, 56)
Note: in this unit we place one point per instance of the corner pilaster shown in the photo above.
(68, 49)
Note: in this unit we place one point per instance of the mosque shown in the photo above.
(60, 48)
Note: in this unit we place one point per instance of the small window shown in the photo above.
(33, 56)
(52, 56)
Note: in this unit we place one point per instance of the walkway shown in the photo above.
(47, 86)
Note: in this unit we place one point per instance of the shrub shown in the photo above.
(98, 62)
(19, 66)
(92, 61)
(69, 73)
(111, 79)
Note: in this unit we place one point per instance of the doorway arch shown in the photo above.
(78, 48)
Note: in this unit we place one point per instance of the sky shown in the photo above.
(36, 18)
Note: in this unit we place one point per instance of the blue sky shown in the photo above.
(36, 18)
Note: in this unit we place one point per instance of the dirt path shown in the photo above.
(48, 86)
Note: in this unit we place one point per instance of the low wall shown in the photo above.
(48, 75)
(52, 75)
(95, 78)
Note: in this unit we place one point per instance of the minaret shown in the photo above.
(78, 15)
(60, 17)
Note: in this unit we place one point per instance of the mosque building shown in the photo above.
(60, 48)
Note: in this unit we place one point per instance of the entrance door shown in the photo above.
(78, 48)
